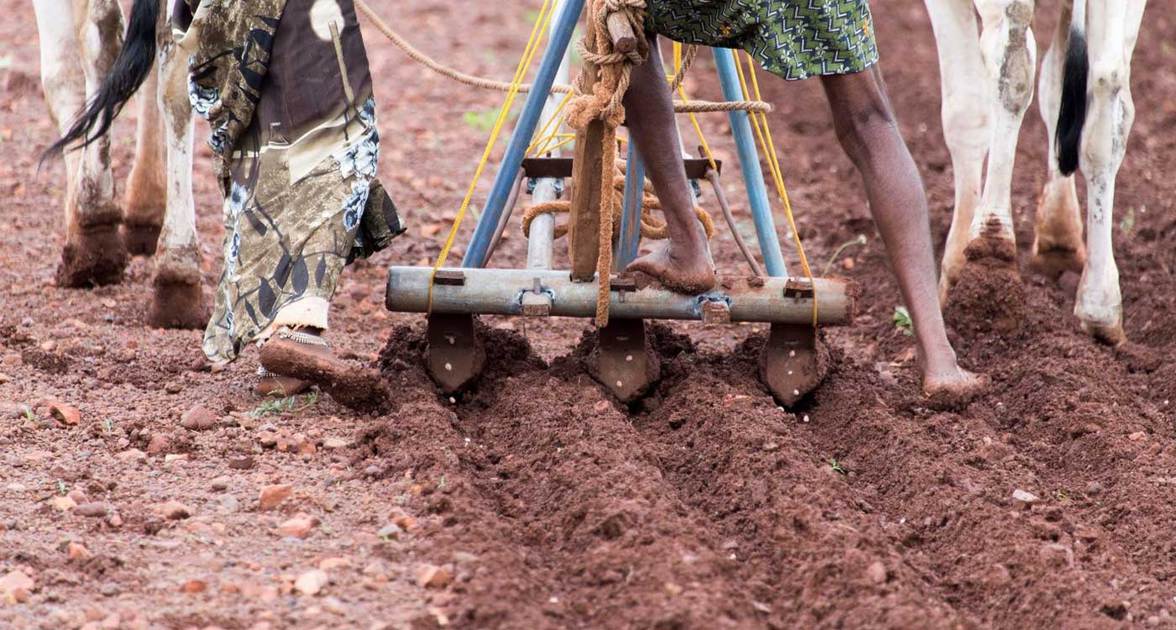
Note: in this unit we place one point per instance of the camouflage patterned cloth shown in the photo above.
(794, 39)
(302, 199)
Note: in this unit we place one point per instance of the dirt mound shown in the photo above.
(989, 296)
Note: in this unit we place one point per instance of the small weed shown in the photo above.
(441, 483)
(858, 242)
(29, 415)
(62, 489)
(278, 406)
(108, 425)
(902, 321)
(1061, 495)
(837, 467)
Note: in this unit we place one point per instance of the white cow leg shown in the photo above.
(1010, 55)
(146, 195)
(1057, 244)
(966, 121)
(73, 60)
(1111, 37)
(178, 300)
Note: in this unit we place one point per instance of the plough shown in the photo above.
(452, 297)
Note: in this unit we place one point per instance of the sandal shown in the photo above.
(276, 383)
(307, 357)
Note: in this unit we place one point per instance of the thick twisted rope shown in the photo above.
(417, 55)
(651, 227)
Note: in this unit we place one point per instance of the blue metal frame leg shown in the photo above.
(520, 139)
(630, 232)
(753, 174)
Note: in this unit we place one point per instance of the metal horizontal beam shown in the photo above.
(502, 292)
(557, 167)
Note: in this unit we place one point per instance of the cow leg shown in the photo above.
(1112, 33)
(966, 121)
(1011, 56)
(1057, 244)
(79, 40)
(146, 195)
(178, 301)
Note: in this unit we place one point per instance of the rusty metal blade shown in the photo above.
(455, 355)
(623, 361)
(792, 363)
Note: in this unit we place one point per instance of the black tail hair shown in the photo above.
(1072, 115)
(129, 71)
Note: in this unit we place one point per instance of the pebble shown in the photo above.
(198, 418)
(173, 511)
(78, 552)
(132, 454)
(241, 463)
(391, 531)
(93, 510)
(298, 527)
(66, 414)
(336, 442)
(1024, 497)
(311, 582)
(192, 587)
(432, 576)
(337, 562)
(63, 504)
(876, 572)
(271, 496)
(220, 484)
(1094, 488)
(16, 587)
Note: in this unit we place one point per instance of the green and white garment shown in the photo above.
(286, 89)
(793, 39)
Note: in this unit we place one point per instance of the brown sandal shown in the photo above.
(279, 383)
(307, 357)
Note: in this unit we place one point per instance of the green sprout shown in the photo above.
(902, 320)
(837, 467)
(857, 242)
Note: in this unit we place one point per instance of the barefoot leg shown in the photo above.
(869, 134)
(684, 263)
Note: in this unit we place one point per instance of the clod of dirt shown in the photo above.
(173, 511)
(298, 527)
(272, 496)
(16, 587)
(311, 582)
(198, 418)
(989, 296)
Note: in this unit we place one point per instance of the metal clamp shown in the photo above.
(537, 301)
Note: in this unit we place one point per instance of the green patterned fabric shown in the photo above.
(794, 39)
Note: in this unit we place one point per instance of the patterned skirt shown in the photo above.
(794, 39)
(302, 196)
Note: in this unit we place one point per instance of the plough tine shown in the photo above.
(622, 362)
(455, 354)
(791, 363)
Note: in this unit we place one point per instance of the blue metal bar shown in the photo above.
(630, 233)
(520, 139)
(753, 174)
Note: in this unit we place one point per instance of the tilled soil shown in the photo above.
(535, 500)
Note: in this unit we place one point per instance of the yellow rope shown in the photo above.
(503, 114)
(768, 147)
(539, 146)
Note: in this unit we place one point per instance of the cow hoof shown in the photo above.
(141, 240)
(95, 256)
(178, 300)
(1110, 334)
(1053, 261)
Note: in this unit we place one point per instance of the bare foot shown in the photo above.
(954, 388)
(683, 270)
